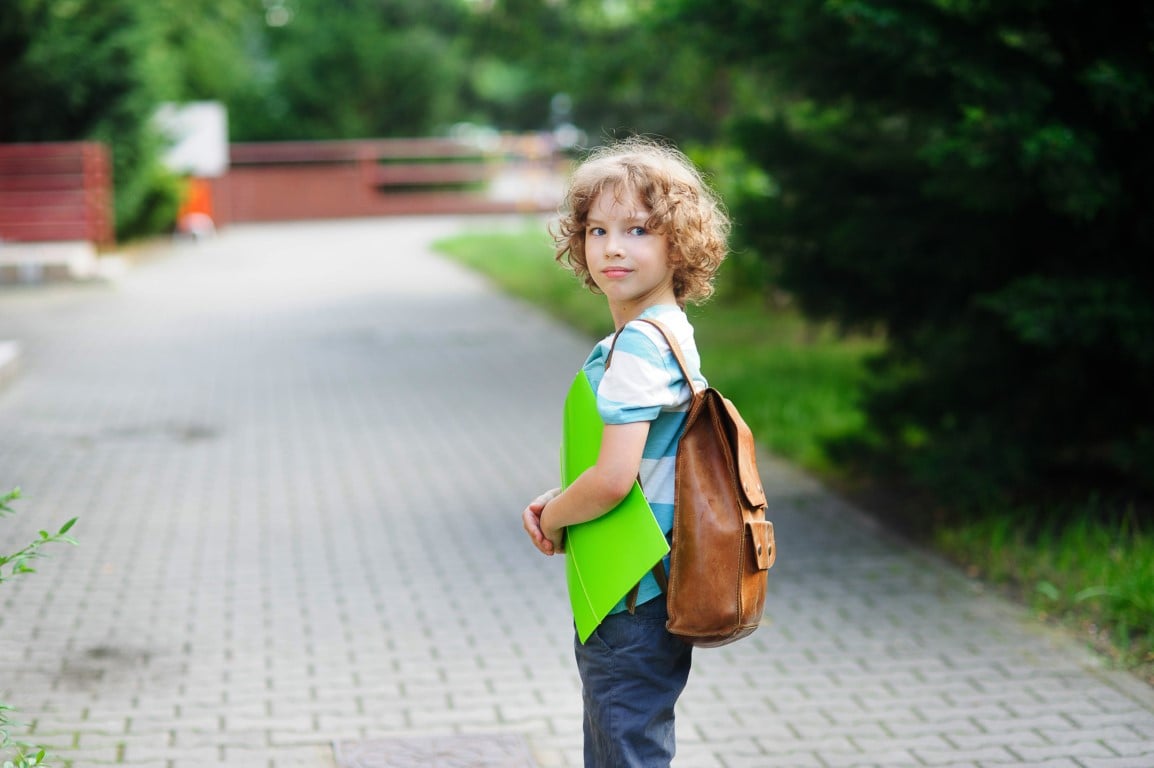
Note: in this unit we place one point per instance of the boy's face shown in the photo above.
(629, 263)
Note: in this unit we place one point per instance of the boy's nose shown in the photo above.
(613, 247)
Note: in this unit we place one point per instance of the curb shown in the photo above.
(39, 262)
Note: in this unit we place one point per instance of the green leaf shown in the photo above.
(67, 526)
(1091, 592)
(1048, 590)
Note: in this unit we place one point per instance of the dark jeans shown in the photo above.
(632, 672)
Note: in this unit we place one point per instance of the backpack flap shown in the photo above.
(747, 474)
(764, 549)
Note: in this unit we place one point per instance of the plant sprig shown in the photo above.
(18, 754)
(17, 563)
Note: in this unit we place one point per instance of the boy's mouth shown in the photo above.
(615, 272)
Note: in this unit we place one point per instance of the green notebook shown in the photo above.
(605, 557)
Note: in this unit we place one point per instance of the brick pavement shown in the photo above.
(299, 454)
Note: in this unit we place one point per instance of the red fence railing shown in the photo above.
(55, 192)
(279, 181)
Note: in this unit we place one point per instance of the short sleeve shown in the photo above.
(639, 382)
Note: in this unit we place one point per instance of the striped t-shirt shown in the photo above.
(644, 383)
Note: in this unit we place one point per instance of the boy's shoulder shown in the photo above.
(671, 316)
(673, 319)
(645, 342)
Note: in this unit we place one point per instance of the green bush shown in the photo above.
(973, 178)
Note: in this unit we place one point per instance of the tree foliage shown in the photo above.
(352, 69)
(619, 73)
(975, 179)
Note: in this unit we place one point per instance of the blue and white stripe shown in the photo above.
(644, 383)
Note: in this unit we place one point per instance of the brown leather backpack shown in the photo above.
(722, 545)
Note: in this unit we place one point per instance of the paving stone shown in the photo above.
(857, 761)
(1117, 762)
(943, 757)
(470, 751)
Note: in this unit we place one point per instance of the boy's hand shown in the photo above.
(531, 522)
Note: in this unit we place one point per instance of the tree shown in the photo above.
(974, 178)
(615, 71)
(202, 51)
(353, 69)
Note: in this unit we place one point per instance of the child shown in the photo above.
(640, 227)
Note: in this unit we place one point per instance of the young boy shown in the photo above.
(640, 227)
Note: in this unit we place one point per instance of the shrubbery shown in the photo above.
(972, 180)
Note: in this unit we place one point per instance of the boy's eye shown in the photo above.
(596, 230)
(637, 230)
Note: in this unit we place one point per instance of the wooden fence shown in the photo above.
(282, 181)
(56, 192)
(63, 191)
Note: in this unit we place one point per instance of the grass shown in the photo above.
(1093, 576)
(796, 384)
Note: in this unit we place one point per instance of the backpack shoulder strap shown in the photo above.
(659, 568)
(676, 348)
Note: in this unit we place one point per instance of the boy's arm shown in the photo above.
(601, 487)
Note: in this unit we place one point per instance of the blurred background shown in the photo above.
(956, 196)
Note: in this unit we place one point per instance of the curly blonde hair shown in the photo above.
(682, 207)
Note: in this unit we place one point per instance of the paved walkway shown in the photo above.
(299, 454)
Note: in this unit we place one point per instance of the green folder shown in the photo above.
(605, 557)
